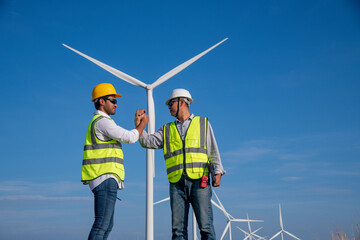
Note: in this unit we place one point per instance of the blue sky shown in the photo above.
(282, 95)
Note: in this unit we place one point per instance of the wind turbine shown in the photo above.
(229, 217)
(282, 231)
(250, 235)
(150, 155)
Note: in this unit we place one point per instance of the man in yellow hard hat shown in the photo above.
(103, 160)
(191, 155)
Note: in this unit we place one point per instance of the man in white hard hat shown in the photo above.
(191, 155)
(103, 160)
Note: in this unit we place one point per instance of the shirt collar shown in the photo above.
(101, 113)
(189, 118)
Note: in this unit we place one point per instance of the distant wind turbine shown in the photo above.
(251, 234)
(229, 217)
(150, 155)
(282, 231)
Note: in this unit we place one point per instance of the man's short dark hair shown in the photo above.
(97, 101)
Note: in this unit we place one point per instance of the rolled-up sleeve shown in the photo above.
(213, 151)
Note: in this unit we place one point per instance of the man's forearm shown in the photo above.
(151, 141)
(140, 127)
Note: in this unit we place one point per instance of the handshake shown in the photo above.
(141, 117)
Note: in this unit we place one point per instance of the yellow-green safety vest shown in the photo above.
(190, 154)
(101, 157)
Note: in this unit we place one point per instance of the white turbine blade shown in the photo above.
(181, 67)
(219, 200)
(281, 222)
(230, 217)
(247, 215)
(259, 237)
(216, 205)
(245, 232)
(165, 199)
(226, 228)
(112, 70)
(245, 220)
(227, 215)
(275, 235)
(256, 230)
(291, 235)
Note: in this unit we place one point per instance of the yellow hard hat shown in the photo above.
(103, 89)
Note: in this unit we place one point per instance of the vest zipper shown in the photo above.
(184, 160)
(183, 141)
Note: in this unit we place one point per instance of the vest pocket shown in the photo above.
(192, 143)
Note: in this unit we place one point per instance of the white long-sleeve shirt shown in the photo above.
(156, 141)
(106, 129)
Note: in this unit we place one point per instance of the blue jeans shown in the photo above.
(183, 193)
(105, 198)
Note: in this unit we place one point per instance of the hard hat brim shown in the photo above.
(180, 93)
(116, 95)
(167, 101)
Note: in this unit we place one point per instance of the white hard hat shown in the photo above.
(182, 93)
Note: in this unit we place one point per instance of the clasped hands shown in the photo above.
(140, 117)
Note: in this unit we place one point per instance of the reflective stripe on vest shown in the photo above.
(194, 151)
(101, 157)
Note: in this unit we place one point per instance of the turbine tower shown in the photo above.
(282, 231)
(150, 155)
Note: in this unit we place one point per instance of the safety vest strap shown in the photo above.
(202, 132)
(188, 165)
(103, 160)
(167, 138)
(102, 146)
(187, 150)
(92, 132)
(94, 144)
